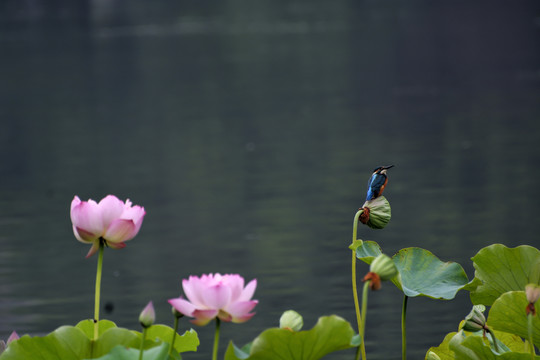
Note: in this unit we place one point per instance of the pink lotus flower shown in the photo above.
(111, 220)
(216, 295)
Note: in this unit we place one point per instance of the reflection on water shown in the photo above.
(248, 132)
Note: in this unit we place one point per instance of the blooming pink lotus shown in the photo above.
(216, 295)
(110, 220)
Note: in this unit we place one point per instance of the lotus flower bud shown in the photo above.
(148, 316)
(14, 336)
(476, 320)
(382, 268)
(377, 213)
(3, 344)
(532, 292)
(291, 320)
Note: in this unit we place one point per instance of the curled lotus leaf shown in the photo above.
(368, 251)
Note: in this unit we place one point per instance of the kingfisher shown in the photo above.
(377, 182)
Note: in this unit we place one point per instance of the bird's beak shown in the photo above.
(388, 167)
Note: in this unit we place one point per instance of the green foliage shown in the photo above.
(122, 353)
(87, 327)
(423, 274)
(182, 343)
(499, 269)
(66, 343)
(113, 337)
(420, 272)
(367, 251)
(473, 346)
(331, 333)
(356, 244)
(501, 274)
(75, 342)
(466, 345)
(508, 314)
(443, 350)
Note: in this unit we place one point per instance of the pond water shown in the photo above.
(248, 130)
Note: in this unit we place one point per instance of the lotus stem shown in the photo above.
(362, 348)
(493, 338)
(364, 310)
(142, 343)
(404, 329)
(216, 340)
(171, 345)
(98, 288)
(530, 331)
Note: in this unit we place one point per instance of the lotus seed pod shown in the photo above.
(377, 213)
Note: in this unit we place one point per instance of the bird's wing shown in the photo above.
(374, 185)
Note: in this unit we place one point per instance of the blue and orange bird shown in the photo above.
(377, 182)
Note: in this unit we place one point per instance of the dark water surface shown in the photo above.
(248, 129)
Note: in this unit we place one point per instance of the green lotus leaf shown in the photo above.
(87, 327)
(235, 353)
(475, 347)
(182, 343)
(355, 244)
(331, 333)
(508, 342)
(368, 251)
(74, 342)
(155, 335)
(508, 314)
(443, 351)
(423, 274)
(511, 342)
(499, 269)
(66, 343)
(122, 353)
(113, 337)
